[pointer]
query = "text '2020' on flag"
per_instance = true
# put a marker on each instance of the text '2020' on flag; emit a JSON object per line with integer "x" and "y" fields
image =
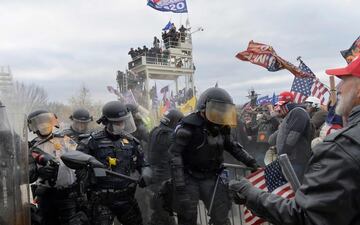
{"x": 270, "y": 179}
{"x": 175, "y": 6}
{"x": 265, "y": 56}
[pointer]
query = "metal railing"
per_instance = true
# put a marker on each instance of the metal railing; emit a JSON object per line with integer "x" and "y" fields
{"x": 171, "y": 42}
{"x": 236, "y": 214}
{"x": 162, "y": 60}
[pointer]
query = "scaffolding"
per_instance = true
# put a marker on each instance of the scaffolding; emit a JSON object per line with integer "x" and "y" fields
{"x": 173, "y": 60}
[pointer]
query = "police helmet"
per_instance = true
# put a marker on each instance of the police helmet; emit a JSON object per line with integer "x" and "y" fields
{"x": 114, "y": 113}
{"x": 218, "y": 106}
{"x": 42, "y": 122}
{"x": 81, "y": 115}
{"x": 172, "y": 118}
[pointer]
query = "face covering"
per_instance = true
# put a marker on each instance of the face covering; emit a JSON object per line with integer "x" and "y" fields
{"x": 116, "y": 129}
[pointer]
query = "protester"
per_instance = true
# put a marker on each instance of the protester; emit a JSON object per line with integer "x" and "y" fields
{"x": 294, "y": 137}
{"x": 317, "y": 114}
{"x": 330, "y": 190}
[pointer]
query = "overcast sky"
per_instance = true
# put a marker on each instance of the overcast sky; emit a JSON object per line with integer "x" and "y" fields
{"x": 61, "y": 45}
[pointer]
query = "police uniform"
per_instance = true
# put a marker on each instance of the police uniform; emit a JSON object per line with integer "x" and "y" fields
{"x": 160, "y": 141}
{"x": 57, "y": 203}
{"x": 74, "y": 135}
{"x": 197, "y": 155}
{"x": 121, "y": 154}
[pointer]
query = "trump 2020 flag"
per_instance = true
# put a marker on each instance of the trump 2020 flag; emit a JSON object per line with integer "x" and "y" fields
{"x": 175, "y": 6}
{"x": 265, "y": 56}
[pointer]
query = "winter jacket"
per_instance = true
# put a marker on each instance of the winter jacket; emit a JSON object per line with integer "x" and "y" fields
{"x": 294, "y": 139}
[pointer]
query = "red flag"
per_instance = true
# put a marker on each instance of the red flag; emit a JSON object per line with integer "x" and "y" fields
{"x": 265, "y": 56}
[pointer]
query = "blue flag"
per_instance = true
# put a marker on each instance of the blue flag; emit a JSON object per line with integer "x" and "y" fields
{"x": 175, "y": 6}
{"x": 263, "y": 100}
{"x": 168, "y": 26}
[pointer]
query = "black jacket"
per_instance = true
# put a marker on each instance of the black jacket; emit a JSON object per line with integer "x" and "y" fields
{"x": 198, "y": 150}
{"x": 330, "y": 190}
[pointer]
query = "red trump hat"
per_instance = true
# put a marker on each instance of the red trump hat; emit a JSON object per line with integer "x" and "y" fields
{"x": 352, "y": 69}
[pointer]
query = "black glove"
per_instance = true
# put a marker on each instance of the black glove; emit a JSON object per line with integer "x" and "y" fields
{"x": 47, "y": 172}
{"x": 239, "y": 199}
{"x": 254, "y": 167}
{"x": 238, "y": 189}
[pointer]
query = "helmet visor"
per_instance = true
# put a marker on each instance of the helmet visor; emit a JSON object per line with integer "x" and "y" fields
{"x": 221, "y": 113}
{"x": 124, "y": 124}
{"x": 43, "y": 122}
{"x": 80, "y": 126}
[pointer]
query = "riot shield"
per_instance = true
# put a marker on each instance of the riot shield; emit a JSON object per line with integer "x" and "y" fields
{"x": 14, "y": 185}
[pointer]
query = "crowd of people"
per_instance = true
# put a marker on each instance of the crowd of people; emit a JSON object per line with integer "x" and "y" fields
{"x": 180, "y": 161}
{"x": 172, "y": 37}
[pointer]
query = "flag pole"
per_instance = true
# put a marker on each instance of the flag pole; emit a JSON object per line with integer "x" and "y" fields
{"x": 329, "y": 88}
{"x": 332, "y": 91}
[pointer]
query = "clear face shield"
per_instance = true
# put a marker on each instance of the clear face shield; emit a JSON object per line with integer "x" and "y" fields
{"x": 44, "y": 123}
{"x": 80, "y": 126}
{"x": 221, "y": 113}
{"x": 123, "y": 125}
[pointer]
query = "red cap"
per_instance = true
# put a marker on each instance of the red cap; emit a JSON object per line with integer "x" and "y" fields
{"x": 352, "y": 69}
{"x": 285, "y": 97}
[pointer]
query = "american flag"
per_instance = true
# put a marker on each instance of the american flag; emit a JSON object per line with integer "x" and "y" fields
{"x": 270, "y": 179}
{"x": 305, "y": 87}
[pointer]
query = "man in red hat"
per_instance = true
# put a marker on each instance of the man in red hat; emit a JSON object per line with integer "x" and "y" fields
{"x": 294, "y": 134}
{"x": 330, "y": 190}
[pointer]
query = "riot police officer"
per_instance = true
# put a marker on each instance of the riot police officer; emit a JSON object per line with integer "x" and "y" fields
{"x": 197, "y": 157}
{"x": 55, "y": 189}
{"x": 120, "y": 152}
{"x": 160, "y": 141}
{"x": 80, "y": 124}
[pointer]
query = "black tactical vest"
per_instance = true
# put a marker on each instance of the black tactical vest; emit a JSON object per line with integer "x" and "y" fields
{"x": 119, "y": 155}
